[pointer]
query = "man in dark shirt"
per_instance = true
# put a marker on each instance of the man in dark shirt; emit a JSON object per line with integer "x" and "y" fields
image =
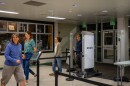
{"x": 79, "y": 50}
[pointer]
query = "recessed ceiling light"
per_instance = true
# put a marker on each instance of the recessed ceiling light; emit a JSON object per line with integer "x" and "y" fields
{"x": 53, "y": 17}
{"x": 104, "y": 11}
{"x": 79, "y": 15}
{"x": 10, "y": 12}
{"x": 75, "y": 5}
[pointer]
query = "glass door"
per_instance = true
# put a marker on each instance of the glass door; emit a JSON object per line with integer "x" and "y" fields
{"x": 109, "y": 51}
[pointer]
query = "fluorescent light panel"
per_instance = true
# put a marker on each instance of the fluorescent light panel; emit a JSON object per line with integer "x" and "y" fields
{"x": 52, "y": 17}
{"x": 104, "y": 11}
{"x": 10, "y": 12}
{"x": 79, "y": 15}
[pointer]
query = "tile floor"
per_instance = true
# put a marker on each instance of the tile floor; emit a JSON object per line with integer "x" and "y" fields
{"x": 46, "y": 80}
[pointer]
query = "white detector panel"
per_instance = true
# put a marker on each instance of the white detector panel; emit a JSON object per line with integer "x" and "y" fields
{"x": 88, "y": 51}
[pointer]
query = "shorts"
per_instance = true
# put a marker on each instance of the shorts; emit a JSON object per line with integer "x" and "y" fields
{"x": 8, "y": 71}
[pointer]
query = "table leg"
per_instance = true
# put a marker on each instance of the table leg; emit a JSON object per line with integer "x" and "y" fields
{"x": 118, "y": 75}
{"x": 121, "y": 67}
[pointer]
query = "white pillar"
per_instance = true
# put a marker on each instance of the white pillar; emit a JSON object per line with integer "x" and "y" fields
{"x": 122, "y": 39}
{"x": 71, "y": 50}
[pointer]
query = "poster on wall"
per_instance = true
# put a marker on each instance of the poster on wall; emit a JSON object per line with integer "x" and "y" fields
{"x": 11, "y": 27}
{"x": 88, "y": 50}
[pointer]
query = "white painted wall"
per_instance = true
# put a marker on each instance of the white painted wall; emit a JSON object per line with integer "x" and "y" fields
{"x": 65, "y": 30}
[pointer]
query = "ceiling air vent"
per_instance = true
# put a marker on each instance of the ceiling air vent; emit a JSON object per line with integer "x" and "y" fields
{"x": 34, "y": 3}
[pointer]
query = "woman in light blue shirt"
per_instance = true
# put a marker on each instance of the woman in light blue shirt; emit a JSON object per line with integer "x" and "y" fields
{"x": 29, "y": 48}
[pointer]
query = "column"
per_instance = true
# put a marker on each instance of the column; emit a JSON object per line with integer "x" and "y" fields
{"x": 122, "y": 39}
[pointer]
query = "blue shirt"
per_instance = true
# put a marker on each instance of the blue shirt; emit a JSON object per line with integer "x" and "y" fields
{"x": 12, "y": 53}
{"x": 29, "y": 46}
{"x": 79, "y": 47}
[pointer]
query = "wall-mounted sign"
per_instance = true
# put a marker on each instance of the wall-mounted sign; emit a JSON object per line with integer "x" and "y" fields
{"x": 11, "y": 27}
{"x": 113, "y": 21}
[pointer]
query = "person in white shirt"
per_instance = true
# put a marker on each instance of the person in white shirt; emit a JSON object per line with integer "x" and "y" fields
{"x": 58, "y": 53}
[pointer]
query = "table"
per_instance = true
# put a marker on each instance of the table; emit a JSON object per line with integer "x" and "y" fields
{"x": 120, "y": 67}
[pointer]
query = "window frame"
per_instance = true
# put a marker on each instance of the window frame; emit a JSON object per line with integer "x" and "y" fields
{"x": 36, "y": 33}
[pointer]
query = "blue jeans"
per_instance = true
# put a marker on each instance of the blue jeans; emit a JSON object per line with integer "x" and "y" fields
{"x": 26, "y": 64}
{"x": 30, "y": 71}
{"x": 57, "y": 61}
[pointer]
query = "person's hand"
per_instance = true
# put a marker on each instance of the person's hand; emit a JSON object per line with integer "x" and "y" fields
{"x": 35, "y": 49}
{"x": 23, "y": 56}
{"x": 18, "y": 61}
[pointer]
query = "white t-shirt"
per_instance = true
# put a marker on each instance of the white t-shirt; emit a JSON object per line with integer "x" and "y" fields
{"x": 55, "y": 48}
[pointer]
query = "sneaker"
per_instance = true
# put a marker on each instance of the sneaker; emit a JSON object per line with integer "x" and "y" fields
{"x": 26, "y": 84}
{"x": 35, "y": 75}
{"x": 51, "y": 74}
